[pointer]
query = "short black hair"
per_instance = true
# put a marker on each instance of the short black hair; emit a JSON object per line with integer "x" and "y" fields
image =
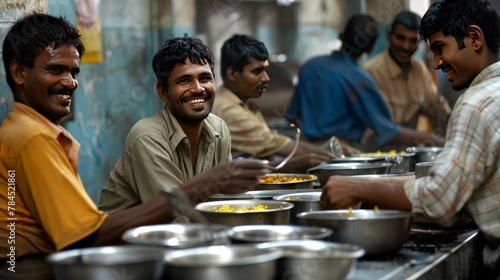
{"x": 237, "y": 51}
{"x": 30, "y": 35}
{"x": 176, "y": 50}
{"x": 360, "y": 33}
{"x": 408, "y": 19}
{"x": 453, "y": 17}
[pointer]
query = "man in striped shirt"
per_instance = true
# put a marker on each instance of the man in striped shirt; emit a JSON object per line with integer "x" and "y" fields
{"x": 465, "y": 179}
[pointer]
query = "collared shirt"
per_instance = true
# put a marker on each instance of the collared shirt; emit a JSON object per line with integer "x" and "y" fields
{"x": 250, "y": 133}
{"x": 408, "y": 96}
{"x": 466, "y": 174}
{"x": 42, "y": 196}
{"x": 335, "y": 97}
{"x": 157, "y": 155}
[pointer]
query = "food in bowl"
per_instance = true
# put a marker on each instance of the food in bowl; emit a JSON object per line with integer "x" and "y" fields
{"x": 277, "y": 178}
{"x": 228, "y": 208}
{"x": 391, "y": 153}
{"x": 276, "y": 181}
{"x": 275, "y": 212}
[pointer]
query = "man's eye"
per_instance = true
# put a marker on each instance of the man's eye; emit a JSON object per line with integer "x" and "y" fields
{"x": 206, "y": 79}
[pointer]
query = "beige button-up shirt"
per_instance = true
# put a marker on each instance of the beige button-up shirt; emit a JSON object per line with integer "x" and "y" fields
{"x": 250, "y": 133}
{"x": 157, "y": 154}
{"x": 406, "y": 96}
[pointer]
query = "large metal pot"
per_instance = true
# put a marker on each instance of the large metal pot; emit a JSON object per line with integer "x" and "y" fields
{"x": 139, "y": 262}
{"x": 325, "y": 169}
{"x": 276, "y": 212}
{"x": 302, "y": 202}
{"x": 400, "y": 163}
{"x": 315, "y": 259}
{"x": 377, "y": 231}
{"x": 424, "y": 154}
{"x": 242, "y": 262}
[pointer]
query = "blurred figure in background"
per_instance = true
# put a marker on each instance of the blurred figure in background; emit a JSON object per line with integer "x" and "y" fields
{"x": 244, "y": 61}
{"x": 404, "y": 80}
{"x": 335, "y": 97}
{"x": 465, "y": 178}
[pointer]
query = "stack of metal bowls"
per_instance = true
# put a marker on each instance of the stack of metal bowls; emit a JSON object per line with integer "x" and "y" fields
{"x": 269, "y": 233}
{"x": 326, "y": 169}
{"x": 178, "y": 236}
{"x": 424, "y": 154}
{"x": 269, "y": 194}
{"x": 109, "y": 262}
{"x": 302, "y": 202}
{"x": 241, "y": 261}
{"x": 272, "y": 212}
{"x": 315, "y": 259}
{"x": 376, "y": 231}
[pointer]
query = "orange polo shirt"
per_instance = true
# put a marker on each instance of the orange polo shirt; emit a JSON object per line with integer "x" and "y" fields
{"x": 43, "y": 204}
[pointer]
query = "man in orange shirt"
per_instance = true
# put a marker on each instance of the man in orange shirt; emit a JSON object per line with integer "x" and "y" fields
{"x": 44, "y": 207}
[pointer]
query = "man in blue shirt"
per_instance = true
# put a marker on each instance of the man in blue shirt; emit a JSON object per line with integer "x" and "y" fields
{"x": 335, "y": 97}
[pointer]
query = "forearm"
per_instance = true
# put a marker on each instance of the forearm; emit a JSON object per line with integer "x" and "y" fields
{"x": 412, "y": 137}
{"x": 153, "y": 212}
{"x": 385, "y": 195}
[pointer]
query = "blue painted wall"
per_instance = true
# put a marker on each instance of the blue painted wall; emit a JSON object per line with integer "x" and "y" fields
{"x": 113, "y": 95}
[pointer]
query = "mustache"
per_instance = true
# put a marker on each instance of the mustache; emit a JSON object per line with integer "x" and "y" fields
{"x": 60, "y": 90}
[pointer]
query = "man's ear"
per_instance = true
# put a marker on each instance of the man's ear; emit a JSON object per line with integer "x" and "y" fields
{"x": 231, "y": 73}
{"x": 18, "y": 72}
{"x": 162, "y": 92}
{"x": 475, "y": 33}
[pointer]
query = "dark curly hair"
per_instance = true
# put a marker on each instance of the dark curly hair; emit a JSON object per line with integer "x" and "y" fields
{"x": 29, "y": 36}
{"x": 453, "y": 17}
{"x": 360, "y": 34}
{"x": 176, "y": 50}
{"x": 237, "y": 51}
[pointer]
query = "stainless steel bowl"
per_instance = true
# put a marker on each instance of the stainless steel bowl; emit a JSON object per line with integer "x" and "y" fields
{"x": 378, "y": 232}
{"x": 178, "y": 236}
{"x": 276, "y": 213}
{"x": 424, "y": 154}
{"x": 138, "y": 262}
{"x": 325, "y": 169}
{"x": 267, "y": 233}
{"x": 302, "y": 202}
{"x": 306, "y": 182}
{"x": 221, "y": 196}
{"x": 242, "y": 262}
{"x": 315, "y": 260}
{"x": 269, "y": 194}
{"x": 422, "y": 168}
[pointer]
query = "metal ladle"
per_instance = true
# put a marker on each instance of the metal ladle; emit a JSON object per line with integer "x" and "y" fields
{"x": 297, "y": 138}
{"x": 182, "y": 207}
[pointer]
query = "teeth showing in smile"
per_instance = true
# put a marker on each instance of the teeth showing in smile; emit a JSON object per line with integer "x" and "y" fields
{"x": 196, "y": 101}
{"x": 64, "y": 96}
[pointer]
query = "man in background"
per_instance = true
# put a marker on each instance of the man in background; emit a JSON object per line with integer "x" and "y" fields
{"x": 335, "y": 97}
{"x": 244, "y": 61}
{"x": 404, "y": 80}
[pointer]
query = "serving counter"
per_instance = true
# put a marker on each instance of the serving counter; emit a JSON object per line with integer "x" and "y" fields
{"x": 428, "y": 255}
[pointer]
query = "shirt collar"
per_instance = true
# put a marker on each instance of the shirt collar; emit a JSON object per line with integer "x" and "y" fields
{"x": 392, "y": 66}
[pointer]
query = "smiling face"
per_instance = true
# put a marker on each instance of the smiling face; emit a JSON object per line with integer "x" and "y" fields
{"x": 460, "y": 65}
{"x": 403, "y": 43}
{"x": 49, "y": 86}
{"x": 191, "y": 92}
{"x": 253, "y": 81}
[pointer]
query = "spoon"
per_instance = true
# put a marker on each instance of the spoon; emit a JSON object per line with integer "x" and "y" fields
{"x": 297, "y": 138}
{"x": 182, "y": 207}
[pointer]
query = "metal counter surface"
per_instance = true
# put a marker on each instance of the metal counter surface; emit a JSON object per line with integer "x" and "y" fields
{"x": 451, "y": 256}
